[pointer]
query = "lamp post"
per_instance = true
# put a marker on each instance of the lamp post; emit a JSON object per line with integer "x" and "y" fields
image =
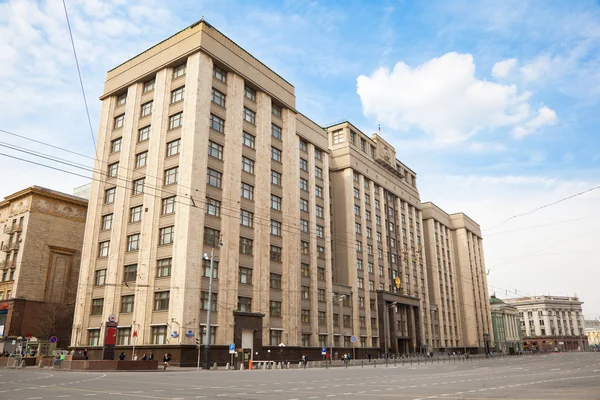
{"x": 339, "y": 299}
{"x": 385, "y": 323}
{"x": 210, "y": 282}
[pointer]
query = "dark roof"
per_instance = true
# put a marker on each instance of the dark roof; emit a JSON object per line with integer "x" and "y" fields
{"x": 495, "y": 300}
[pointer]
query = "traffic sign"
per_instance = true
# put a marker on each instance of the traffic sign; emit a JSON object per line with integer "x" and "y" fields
{"x": 53, "y": 339}
{"x": 353, "y": 339}
{"x": 231, "y": 348}
{"x": 323, "y": 351}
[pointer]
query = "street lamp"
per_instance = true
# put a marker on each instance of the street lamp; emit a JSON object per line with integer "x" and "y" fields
{"x": 208, "y": 313}
{"x": 385, "y": 322}
{"x": 339, "y": 299}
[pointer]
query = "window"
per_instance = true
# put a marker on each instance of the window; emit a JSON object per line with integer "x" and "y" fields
{"x": 177, "y": 94}
{"x": 371, "y": 285}
{"x": 204, "y": 301}
{"x": 171, "y": 176}
{"x": 248, "y": 140}
{"x": 361, "y": 283}
{"x": 173, "y": 147}
{"x": 93, "y": 337}
{"x": 166, "y": 235}
{"x": 305, "y": 293}
{"x": 211, "y": 237}
{"x": 358, "y": 245}
{"x": 146, "y": 109}
{"x": 303, "y": 184}
{"x": 250, "y": 93}
{"x": 215, "y": 150}
{"x": 100, "y": 277}
{"x": 159, "y": 335}
{"x": 97, "y": 306}
{"x": 305, "y": 316}
{"x": 275, "y": 178}
{"x": 319, "y": 191}
{"x": 163, "y": 267}
{"x": 361, "y": 302}
{"x": 303, "y": 165}
{"x": 118, "y": 123}
{"x": 213, "y": 178}
{"x": 107, "y": 222}
{"x": 319, "y": 211}
{"x": 246, "y": 246}
{"x": 138, "y": 186}
{"x": 359, "y": 265}
{"x": 320, "y": 231}
{"x": 144, "y": 134}
{"x": 321, "y": 273}
{"x": 275, "y": 253}
{"x": 113, "y": 169}
{"x": 320, "y": 252}
{"x": 219, "y": 74}
{"x": 248, "y": 165}
{"x": 318, "y": 173}
{"x": 304, "y": 247}
{"x": 370, "y": 266}
{"x": 372, "y": 151}
{"x": 148, "y": 86}
{"x": 347, "y": 324}
{"x": 103, "y": 249}
{"x": 318, "y": 154}
{"x": 133, "y": 242}
{"x": 217, "y": 124}
{"x": 369, "y": 231}
{"x": 275, "y": 281}
{"x": 275, "y": 228}
{"x": 206, "y": 269}
{"x": 249, "y": 116}
{"x": 303, "y": 145}
{"x": 161, "y": 301}
{"x": 127, "y": 303}
{"x": 275, "y": 309}
{"x": 121, "y": 99}
{"x": 115, "y": 145}
{"x": 245, "y": 276}
{"x": 355, "y": 177}
{"x": 276, "y": 110}
{"x": 352, "y": 137}
{"x": 176, "y": 120}
{"x": 141, "y": 159}
{"x": 135, "y": 214}
{"x": 275, "y": 337}
{"x": 244, "y": 304}
{"x": 304, "y": 205}
{"x": 168, "y": 205}
{"x": 179, "y": 71}
{"x": 304, "y": 226}
{"x": 276, "y": 202}
{"x": 123, "y": 335}
{"x": 357, "y": 227}
{"x": 357, "y": 210}
{"x": 213, "y": 207}
{"x": 275, "y": 154}
{"x": 247, "y": 191}
{"x": 246, "y": 218}
{"x": 338, "y": 136}
{"x": 305, "y": 270}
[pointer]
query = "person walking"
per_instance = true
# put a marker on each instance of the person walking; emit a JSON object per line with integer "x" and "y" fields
{"x": 151, "y": 356}
{"x": 166, "y": 360}
{"x": 122, "y": 356}
{"x": 85, "y": 354}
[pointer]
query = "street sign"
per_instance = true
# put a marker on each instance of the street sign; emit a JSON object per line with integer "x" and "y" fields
{"x": 231, "y": 348}
{"x": 353, "y": 339}
{"x": 323, "y": 351}
{"x": 53, "y": 339}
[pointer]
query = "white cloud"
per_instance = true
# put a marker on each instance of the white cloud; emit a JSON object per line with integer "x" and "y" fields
{"x": 538, "y": 67}
{"x": 502, "y": 68}
{"x": 545, "y": 116}
{"x": 442, "y": 97}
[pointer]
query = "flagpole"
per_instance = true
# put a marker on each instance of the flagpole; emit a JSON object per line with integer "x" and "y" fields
{"x": 134, "y": 340}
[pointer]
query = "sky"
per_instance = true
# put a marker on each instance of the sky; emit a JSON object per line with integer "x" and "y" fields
{"x": 495, "y": 105}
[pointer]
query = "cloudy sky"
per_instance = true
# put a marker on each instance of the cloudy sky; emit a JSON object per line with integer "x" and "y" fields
{"x": 495, "y": 105}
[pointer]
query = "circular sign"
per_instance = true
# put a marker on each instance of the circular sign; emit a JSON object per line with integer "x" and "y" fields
{"x": 53, "y": 339}
{"x": 112, "y": 318}
{"x": 353, "y": 339}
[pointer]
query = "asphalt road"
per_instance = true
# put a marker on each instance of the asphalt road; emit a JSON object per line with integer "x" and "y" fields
{"x": 543, "y": 377}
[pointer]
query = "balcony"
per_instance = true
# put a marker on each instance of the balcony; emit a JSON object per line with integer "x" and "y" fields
{"x": 13, "y": 228}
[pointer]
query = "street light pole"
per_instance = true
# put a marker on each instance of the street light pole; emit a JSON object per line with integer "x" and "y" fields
{"x": 339, "y": 300}
{"x": 210, "y": 282}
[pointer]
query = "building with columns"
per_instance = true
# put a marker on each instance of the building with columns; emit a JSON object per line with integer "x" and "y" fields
{"x": 551, "y": 322}
{"x": 506, "y": 327}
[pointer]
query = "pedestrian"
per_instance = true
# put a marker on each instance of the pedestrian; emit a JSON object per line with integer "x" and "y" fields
{"x": 122, "y": 356}
{"x": 304, "y": 360}
{"x": 336, "y": 355}
{"x": 166, "y": 360}
{"x": 144, "y": 357}
{"x": 57, "y": 360}
{"x": 151, "y": 356}
{"x": 369, "y": 357}
{"x": 135, "y": 358}
{"x": 85, "y": 354}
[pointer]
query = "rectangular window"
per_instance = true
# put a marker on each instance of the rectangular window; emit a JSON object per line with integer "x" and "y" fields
{"x": 250, "y": 93}
{"x": 245, "y": 276}
{"x": 304, "y": 247}
{"x": 107, "y": 222}
{"x": 168, "y": 205}
{"x": 338, "y": 136}
{"x": 318, "y": 154}
{"x": 217, "y": 124}
{"x": 97, "y": 306}
{"x": 173, "y": 147}
{"x": 275, "y": 154}
{"x": 176, "y": 120}
{"x": 103, "y": 249}
{"x": 138, "y": 186}
{"x": 100, "y": 277}
{"x": 204, "y": 302}
{"x": 275, "y": 253}
{"x": 275, "y": 308}
{"x": 357, "y": 210}
{"x": 171, "y": 176}
{"x": 275, "y": 228}
{"x": 213, "y": 178}
{"x": 275, "y": 281}
{"x": 211, "y": 237}
{"x": 219, "y": 74}
{"x": 166, "y": 235}
{"x": 359, "y": 265}
{"x": 218, "y": 97}
{"x": 144, "y": 134}
{"x": 303, "y": 165}
{"x": 320, "y": 252}
{"x": 276, "y": 131}
{"x": 141, "y": 159}
{"x": 133, "y": 242}
{"x": 93, "y": 337}
{"x": 318, "y": 173}
{"x": 113, "y": 170}
{"x": 179, "y": 71}
{"x": 275, "y": 178}
{"x": 305, "y": 292}
{"x": 303, "y": 184}
{"x": 246, "y": 218}
{"x": 320, "y": 231}
{"x": 246, "y": 246}
{"x": 247, "y": 191}
{"x": 215, "y": 150}
{"x": 304, "y": 205}
{"x": 372, "y": 151}
{"x": 127, "y": 303}
{"x": 213, "y": 207}
{"x": 123, "y": 336}
{"x": 305, "y": 270}
{"x": 163, "y": 267}
{"x": 303, "y": 145}
{"x": 161, "y": 301}
{"x": 276, "y": 110}
{"x": 177, "y": 95}
{"x": 276, "y": 202}
{"x": 206, "y": 269}
{"x": 319, "y": 191}
{"x": 248, "y": 140}
{"x": 321, "y": 273}
{"x": 159, "y": 335}
{"x": 135, "y": 214}
{"x": 304, "y": 226}
{"x": 121, "y": 99}
{"x": 305, "y": 316}
{"x": 275, "y": 337}
{"x": 148, "y": 86}
{"x": 115, "y": 145}
{"x": 146, "y": 109}
{"x": 248, "y": 165}
{"x": 319, "y": 211}
{"x": 118, "y": 122}
{"x": 244, "y": 304}
{"x": 249, "y": 116}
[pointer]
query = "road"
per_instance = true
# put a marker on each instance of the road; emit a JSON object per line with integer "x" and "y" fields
{"x": 552, "y": 376}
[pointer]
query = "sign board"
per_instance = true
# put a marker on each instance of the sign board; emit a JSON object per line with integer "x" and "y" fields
{"x": 323, "y": 351}
{"x": 353, "y": 339}
{"x": 231, "y": 348}
{"x": 53, "y": 339}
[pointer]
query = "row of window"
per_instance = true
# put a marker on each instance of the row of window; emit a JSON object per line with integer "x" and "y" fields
{"x": 166, "y": 236}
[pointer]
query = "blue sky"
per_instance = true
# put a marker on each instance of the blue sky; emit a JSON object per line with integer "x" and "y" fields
{"x": 494, "y": 104}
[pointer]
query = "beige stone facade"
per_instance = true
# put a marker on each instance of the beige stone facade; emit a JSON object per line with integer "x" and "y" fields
{"x": 42, "y": 236}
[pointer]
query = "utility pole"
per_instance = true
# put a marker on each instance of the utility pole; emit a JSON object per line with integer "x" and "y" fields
{"x": 210, "y": 282}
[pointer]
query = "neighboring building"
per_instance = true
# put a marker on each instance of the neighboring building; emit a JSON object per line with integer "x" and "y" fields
{"x": 506, "y": 325}
{"x": 551, "y": 322}
{"x": 42, "y": 236}
{"x": 83, "y": 191}
{"x": 592, "y": 331}
{"x": 457, "y": 281}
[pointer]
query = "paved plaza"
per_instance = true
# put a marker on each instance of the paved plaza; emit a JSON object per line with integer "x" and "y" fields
{"x": 550, "y": 376}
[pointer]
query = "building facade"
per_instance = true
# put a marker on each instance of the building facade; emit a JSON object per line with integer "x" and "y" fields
{"x": 42, "y": 236}
{"x": 592, "y": 331}
{"x": 551, "y": 323}
{"x": 457, "y": 281}
{"x": 506, "y": 327}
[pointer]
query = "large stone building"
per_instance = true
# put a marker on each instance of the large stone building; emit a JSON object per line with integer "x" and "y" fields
{"x": 551, "y": 322}
{"x": 271, "y": 196}
{"x": 592, "y": 331}
{"x": 507, "y": 327}
{"x": 42, "y": 236}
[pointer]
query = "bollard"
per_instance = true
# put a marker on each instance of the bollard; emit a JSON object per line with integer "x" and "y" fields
{"x": 300, "y": 364}
{"x": 227, "y": 367}
{"x": 288, "y": 365}
{"x": 362, "y": 364}
{"x": 241, "y": 366}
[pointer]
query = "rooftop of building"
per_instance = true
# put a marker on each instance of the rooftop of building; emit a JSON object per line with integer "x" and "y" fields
{"x": 542, "y": 298}
{"x": 495, "y": 300}
{"x": 39, "y": 190}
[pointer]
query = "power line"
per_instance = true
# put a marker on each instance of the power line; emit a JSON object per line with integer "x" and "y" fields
{"x": 79, "y": 74}
{"x": 542, "y": 226}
